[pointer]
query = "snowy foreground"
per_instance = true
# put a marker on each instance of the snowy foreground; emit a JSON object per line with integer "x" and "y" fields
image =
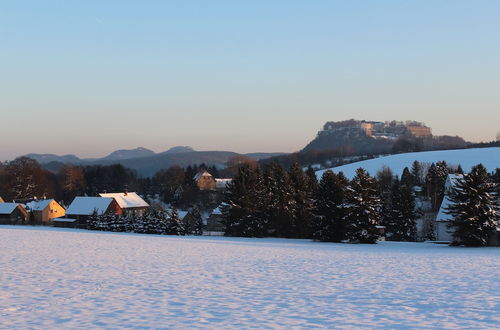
{"x": 78, "y": 279}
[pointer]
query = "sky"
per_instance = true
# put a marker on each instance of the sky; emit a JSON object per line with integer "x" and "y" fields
{"x": 89, "y": 77}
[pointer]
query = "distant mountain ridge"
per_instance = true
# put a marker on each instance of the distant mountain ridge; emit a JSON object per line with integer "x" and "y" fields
{"x": 178, "y": 150}
{"x": 48, "y": 158}
{"x": 146, "y": 162}
{"x": 129, "y": 153}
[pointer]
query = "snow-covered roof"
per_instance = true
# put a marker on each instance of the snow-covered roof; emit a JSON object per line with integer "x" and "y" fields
{"x": 182, "y": 214}
{"x": 450, "y": 183}
{"x": 8, "y": 208}
{"x": 38, "y": 205}
{"x": 127, "y": 200}
{"x": 87, "y": 205}
{"x": 201, "y": 174}
{"x": 218, "y": 210}
{"x": 63, "y": 220}
{"x": 222, "y": 183}
{"x": 442, "y": 215}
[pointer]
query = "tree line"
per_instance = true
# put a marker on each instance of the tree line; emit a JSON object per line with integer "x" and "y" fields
{"x": 153, "y": 221}
{"x": 274, "y": 201}
{"x": 24, "y": 179}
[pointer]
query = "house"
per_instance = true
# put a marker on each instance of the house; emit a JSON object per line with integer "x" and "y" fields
{"x": 215, "y": 226}
{"x": 443, "y": 232}
{"x": 83, "y": 207}
{"x": 222, "y": 184}
{"x": 13, "y": 213}
{"x": 205, "y": 181}
{"x": 43, "y": 211}
{"x": 128, "y": 201}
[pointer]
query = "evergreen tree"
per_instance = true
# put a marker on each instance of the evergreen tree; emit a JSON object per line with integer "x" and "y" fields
{"x": 150, "y": 222}
{"x": 329, "y": 208}
{"x": 313, "y": 179}
{"x": 385, "y": 179}
{"x": 435, "y": 179}
{"x": 131, "y": 220}
{"x": 416, "y": 172}
{"x": 363, "y": 209}
{"x": 302, "y": 188}
{"x": 174, "y": 225}
{"x": 474, "y": 208}
{"x": 163, "y": 222}
{"x": 407, "y": 178}
{"x": 402, "y": 225}
{"x": 194, "y": 225}
{"x": 495, "y": 177}
{"x": 92, "y": 221}
{"x": 278, "y": 201}
{"x": 243, "y": 204}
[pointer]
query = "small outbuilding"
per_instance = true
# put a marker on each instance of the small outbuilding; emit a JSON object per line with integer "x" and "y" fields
{"x": 13, "y": 214}
{"x": 215, "y": 226}
{"x": 222, "y": 184}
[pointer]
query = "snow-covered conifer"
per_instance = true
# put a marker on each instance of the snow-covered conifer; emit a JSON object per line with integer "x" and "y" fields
{"x": 474, "y": 208}
{"x": 242, "y": 210}
{"x": 329, "y": 208}
{"x": 363, "y": 209}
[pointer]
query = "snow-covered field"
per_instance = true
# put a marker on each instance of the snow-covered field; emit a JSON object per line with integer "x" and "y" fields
{"x": 467, "y": 158}
{"x": 53, "y": 278}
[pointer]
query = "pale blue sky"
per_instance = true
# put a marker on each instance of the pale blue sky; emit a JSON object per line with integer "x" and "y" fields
{"x": 88, "y": 77}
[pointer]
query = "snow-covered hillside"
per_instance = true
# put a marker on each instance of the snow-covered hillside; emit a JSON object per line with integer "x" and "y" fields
{"x": 54, "y": 278}
{"x": 489, "y": 157}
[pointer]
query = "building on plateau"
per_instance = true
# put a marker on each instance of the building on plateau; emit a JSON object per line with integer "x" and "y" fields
{"x": 419, "y": 131}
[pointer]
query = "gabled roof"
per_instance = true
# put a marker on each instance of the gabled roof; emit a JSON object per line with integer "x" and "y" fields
{"x": 8, "y": 208}
{"x": 450, "y": 183}
{"x": 201, "y": 174}
{"x": 452, "y": 180}
{"x": 218, "y": 210}
{"x": 39, "y": 205}
{"x": 127, "y": 200}
{"x": 87, "y": 205}
{"x": 182, "y": 214}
